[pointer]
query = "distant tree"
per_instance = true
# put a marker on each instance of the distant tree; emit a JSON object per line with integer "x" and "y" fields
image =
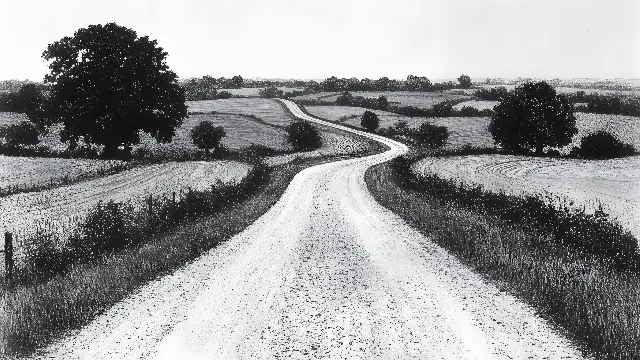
{"x": 604, "y": 145}
{"x": 224, "y": 95}
{"x": 443, "y": 109}
{"x": 270, "y": 92}
{"x": 532, "y": 117}
{"x": 431, "y": 136}
{"x": 369, "y": 121}
{"x": 303, "y": 136}
{"x": 344, "y": 99}
{"x": 108, "y": 84}
{"x": 22, "y": 133}
{"x": 206, "y": 136}
{"x": 383, "y": 104}
{"x": 237, "y": 82}
{"x": 464, "y": 81}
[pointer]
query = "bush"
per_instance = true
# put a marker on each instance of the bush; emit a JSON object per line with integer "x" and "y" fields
{"x": 303, "y": 136}
{"x": 224, "y": 95}
{"x": 270, "y": 92}
{"x": 369, "y": 121}
{"x": 603, "y": 145}
{"x": 533, "y": 117}
{"x": 431, "y": 136}
{"x": 206, "y": 136}
{"x": 44, "y": 255}
{"x": 23, "y": 133}
{"x": 107, "y": 228}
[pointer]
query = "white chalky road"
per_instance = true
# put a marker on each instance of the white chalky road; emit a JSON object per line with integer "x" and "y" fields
{"x": 326, "y": 273}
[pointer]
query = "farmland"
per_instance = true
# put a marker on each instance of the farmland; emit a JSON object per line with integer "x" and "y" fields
{"x": 254, "y": 92}
{"x": 615, "y": 183}
{"x": 59, "y": 209}
{"x": 477, "y": 104}
{"x": 405, "y": 98}
{"x": 24, "y": 173}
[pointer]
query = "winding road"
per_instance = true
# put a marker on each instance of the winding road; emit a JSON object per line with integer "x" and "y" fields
{"x": 326, "y": 273}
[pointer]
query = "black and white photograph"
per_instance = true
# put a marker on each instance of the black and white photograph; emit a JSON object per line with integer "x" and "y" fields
{"x": 324, "y": 179}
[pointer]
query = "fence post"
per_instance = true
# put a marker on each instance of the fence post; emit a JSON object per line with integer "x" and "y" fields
{"x": 174, "y": 197}
{"x": 8, "y": 256}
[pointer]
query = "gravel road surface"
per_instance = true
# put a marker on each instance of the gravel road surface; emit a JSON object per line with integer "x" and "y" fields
{"x": 326, "y": 273}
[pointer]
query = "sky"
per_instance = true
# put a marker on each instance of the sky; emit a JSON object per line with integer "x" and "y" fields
{"x": 439, "y": 39}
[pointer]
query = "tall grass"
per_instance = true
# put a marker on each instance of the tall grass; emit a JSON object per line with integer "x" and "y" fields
{"x": 580, "y": 285}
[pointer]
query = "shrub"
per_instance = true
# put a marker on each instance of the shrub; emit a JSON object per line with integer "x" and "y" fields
{"x": 369, "y": 121}
{"x": 44, "y": 255}
{"x": 442, "y": 109}
{"x": 383, "y": 104}
{"x": 603, "y": 145}
{"x": 206, "y": 136}
{"x": 303, "y": 136}
{"x": 224, "y": 95}
{"x": 270, "y": 92}
{"x": 431, "y": 136}
{"x": 531, "y": 118}
{"x": 23, "y": 133}
{"x": 107, "y": 228}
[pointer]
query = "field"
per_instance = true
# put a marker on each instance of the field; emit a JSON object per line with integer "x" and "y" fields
{"x": 253, "y": 92}
{"x": 478, "y": 104}
{"x": 22, "y": 172}
{"x": 58, "y": 209}
{"x": 268, "y": 110}
{"x": 404, "y": 98}
{"x": 572, "y": 90}
{"x": 615, "y": 183}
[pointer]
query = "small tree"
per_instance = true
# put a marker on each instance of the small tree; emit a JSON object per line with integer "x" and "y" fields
{"x": 464, "y": 81}
{"x": 383, "y": 104}
{"x": 270, "y": 92}
{"x": 345, "y": 99}
{"x": 604, "y": 145}
{"x": 369, "y": 121}
{"x": 224, "y": 95}
{"x": 303, "y": 136}
{"x": 206, "y": 136}
{"x": 532, "y": 117}
{"x": 21, "y": 134}
{"x": 432, "y": 136}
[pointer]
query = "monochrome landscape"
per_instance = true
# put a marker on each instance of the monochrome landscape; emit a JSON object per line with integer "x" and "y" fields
{"x": 297, "y": 192}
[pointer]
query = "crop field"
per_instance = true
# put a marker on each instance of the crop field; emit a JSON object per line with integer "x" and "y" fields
{"x": 240, "y": 132}
{"x": 571, "y": 90}
{"x": 23, "y": 172}
{"x": 404, "y": 98}
{"x": 615, "y": 183}
{"x": 478, "y": 104}
{"x": 268, "y": 110}
{"x": 626, "y": 128}
{"x": 58, "y": 209}
{"x": 250, "y": 92}
{"x": 348, "y": 113}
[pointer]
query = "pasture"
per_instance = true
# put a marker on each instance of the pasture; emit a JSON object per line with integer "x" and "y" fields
{"x": 254, "y": 92}
{"x": 614, "y": 183}
{"x": 59, "y": 210}
{"x": 268, "y": 110}
{"x": 477, "y": 104}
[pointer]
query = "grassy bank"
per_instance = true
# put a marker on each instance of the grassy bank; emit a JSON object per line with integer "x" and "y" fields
{"x": 596, "y": 303}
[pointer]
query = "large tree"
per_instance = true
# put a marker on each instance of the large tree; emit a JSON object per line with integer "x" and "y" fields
{"x": 108, "y": 84}
{"x": 531, "y": 117}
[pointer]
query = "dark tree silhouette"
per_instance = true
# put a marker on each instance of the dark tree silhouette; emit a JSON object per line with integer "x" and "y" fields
{"x": 369, "y": 121}
{"x": 22, "y": 133}
{"x": 464, "y": 81}
{"x": 303, "y": 136}
{"x": 108, "y": 84}
{"x": 206, "y": 136}
{"x": 431, "y": 136}
{"x": 270, "y": 92}
{"x": 604, "y": 145}
{"x": 532, "y": 117}
{"x": 383, "y": 104}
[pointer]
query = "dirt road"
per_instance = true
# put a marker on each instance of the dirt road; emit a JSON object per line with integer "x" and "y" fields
{"x": 326, "y": 273}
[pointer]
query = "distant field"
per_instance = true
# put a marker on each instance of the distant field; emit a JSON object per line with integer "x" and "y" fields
{"x": 268, "y": 110}
{"x": 478, "y": 104}
{"x": 241, "y": 132}
{"x": 626, "y": 128}
{"x": 571, "y": 90}
{"x": 406, "y": 98}
{"x": 613, "y": 183}
{"x": 58, "y": 209}
{"x": 23, "y": 172}
{"x": 255, "y": 91}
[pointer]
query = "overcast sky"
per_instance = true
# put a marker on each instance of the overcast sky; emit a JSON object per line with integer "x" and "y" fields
{"x": 317, "y": 39}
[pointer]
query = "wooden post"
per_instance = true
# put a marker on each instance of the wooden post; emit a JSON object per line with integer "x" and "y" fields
{"x": 174, "y": 197}
{"x": 8, "y": 256}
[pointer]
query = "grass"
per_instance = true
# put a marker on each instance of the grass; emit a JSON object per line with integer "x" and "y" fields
{"x": 595, "y": 303}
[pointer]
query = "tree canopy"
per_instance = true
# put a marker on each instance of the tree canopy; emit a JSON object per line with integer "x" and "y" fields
{"x": 369, "y": 121}
{"x": 464, "y": 81}
{"x": 108, "y": 84}
{"x": 531, "y": 117}
{"x": 206, "y": 136}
